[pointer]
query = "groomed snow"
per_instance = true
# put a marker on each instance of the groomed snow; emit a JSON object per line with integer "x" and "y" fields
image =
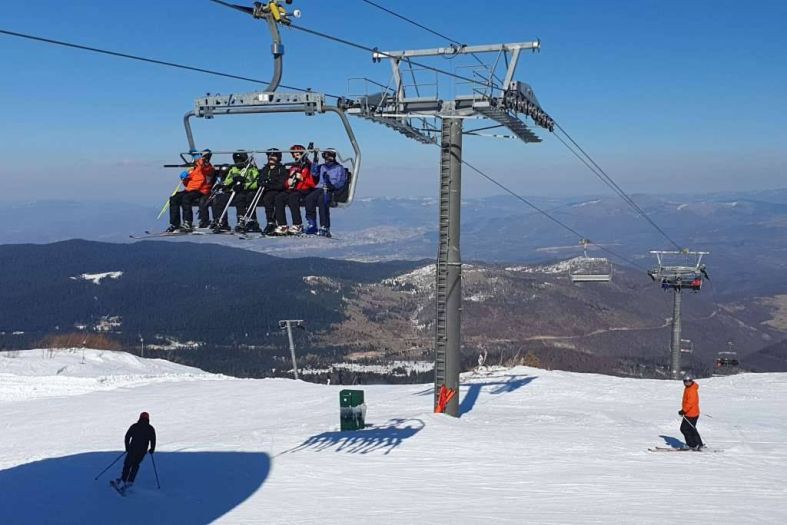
{"x": 30, "y": 374}
{"x": 532, "y": 446}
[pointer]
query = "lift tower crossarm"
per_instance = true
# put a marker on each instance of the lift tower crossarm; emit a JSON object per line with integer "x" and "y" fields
{"x": 457, "y": 50}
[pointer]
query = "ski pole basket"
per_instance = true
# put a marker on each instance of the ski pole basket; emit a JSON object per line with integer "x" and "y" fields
{"x": 352, "y": 410}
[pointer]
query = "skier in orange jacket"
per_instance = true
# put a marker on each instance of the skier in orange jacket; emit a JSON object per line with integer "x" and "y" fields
{"x": 690, "y": 412}
{"x": 197, "y": 183}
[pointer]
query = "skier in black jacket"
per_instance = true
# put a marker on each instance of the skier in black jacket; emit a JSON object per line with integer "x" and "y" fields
{"x": 138, "y": 437}
{"x": 273, "y": 178}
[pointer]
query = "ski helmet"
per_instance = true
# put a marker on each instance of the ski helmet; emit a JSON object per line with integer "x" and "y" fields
{"x": 240, "y": 157}
{"x": 330, "y": 152}
{"x": 145, "y": 416}
{"x": 688, "y": 378}
{"x": 274, "y": 152}
{"x": 206, "y": 154}
{"x": 297, "y": 147}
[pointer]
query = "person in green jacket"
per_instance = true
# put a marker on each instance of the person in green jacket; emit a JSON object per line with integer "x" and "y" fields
{"x": 238, "y": 189}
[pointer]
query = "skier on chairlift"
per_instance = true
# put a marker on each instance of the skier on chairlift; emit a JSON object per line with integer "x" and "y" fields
{"x": 273, "y": 177}
{"x": 197, "y": 183}
{"x": 298, "y": 185}
{"x": 333, "y": 183}
{"x": 240, "y": 184}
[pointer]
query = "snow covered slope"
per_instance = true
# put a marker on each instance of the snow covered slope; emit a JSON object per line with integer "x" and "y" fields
{"x": 28, "y": 374}
{"x": 532, "y": 446}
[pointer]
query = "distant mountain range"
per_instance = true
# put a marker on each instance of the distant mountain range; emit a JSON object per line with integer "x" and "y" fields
{"x": 219, "y": 308}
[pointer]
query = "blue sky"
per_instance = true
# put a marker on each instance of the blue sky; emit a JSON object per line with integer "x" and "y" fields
{"x": 665, "y": 95}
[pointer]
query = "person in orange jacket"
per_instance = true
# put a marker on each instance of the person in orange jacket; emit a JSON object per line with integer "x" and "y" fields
{"x": 690, "y": 412}
{"x": 197, "y": 183}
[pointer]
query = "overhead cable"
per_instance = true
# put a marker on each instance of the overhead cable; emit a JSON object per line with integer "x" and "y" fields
{"x": 548, "y": 215}
{"x": 383, "y": 53}
{"x": 593, "y": 166}
{"x": 144, "y": 59}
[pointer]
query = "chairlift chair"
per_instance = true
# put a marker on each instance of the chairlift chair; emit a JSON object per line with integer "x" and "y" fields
{"x": 272, "y": 101}
{"x": 584, "y": 269}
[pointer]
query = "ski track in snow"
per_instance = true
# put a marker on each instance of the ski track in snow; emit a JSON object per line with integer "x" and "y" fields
{"x": 532, "y": 446}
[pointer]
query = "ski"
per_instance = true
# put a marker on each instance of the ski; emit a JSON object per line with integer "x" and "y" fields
{"x": 682, "y": 449}
{"x": 119, "y": 490}
{"x": 150, "y": 235}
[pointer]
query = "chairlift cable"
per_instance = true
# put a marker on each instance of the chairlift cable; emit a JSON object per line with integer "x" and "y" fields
{"x": 425, "y": 28}
{"x": 145, "y": 59}
{"x": 604, "y": 177}
{"x": 382, "y": 53}
{"x": 548, "y": 216}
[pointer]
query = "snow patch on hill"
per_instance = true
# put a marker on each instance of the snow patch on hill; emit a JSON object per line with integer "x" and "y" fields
{"x": 96, "y": 278}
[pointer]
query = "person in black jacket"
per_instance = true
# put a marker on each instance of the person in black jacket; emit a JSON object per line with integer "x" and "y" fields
{"x": 273, "y": 178}
{"x": 139, "y": 436}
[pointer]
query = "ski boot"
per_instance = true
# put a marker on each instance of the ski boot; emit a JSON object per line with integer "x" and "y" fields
{"x": 295, "y": 229}
{"x": 253, "y": 226}
{"x": 269, "y": 229}
{"x": 281, "y": 230}
{"x": 172, "y": 229}
{"x": 311, "y": 227}
{"x": 324, "y": 232}
{"x": 187, "y": 227}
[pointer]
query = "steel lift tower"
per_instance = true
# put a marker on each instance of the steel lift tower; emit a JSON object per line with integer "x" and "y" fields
{"x": 505, "y": 102}
{"x": 677, "y": 278}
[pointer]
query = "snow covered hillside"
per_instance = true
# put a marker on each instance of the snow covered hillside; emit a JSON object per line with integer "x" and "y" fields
{"x": 532, "y": 446}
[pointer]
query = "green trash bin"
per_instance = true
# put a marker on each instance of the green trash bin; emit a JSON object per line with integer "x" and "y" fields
{"x": 352, "y": 410}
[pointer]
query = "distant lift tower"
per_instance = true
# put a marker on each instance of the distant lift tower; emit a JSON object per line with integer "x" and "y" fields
{"x": 505, "y": 102}
{"x": 287, "y": 324}
{"x": 677, "y": 277}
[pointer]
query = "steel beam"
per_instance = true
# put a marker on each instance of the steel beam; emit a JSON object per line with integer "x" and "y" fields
{"x": 449, "y": 266}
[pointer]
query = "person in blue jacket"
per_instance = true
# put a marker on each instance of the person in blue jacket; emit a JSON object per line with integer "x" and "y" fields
{"x": 332, "y": 178}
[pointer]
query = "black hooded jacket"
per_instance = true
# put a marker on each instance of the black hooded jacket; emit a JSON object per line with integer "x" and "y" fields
{"x": 139, "y": 435}
{"x": 273, "y": 177}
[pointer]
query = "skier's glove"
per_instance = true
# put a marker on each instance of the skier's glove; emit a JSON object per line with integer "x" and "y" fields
{"x": 184, "y": 175}
{"x": 681, "y": 412}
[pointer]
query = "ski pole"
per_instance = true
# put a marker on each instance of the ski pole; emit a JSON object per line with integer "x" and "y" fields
{"x": 155, "y": 471}
{"x": 166, "y": 204}
{"x": 689, "y": 422}
{"x": 110, "y": 466}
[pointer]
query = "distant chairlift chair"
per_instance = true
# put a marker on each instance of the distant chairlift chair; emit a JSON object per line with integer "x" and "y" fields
{"x": 586, "y": 269}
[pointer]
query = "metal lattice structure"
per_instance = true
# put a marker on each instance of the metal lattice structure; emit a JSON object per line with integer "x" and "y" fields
{"x": 508, "y": 104}
{"x": 678, "y": 277}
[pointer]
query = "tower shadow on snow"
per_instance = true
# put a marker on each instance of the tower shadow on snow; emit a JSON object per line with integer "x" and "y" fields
{"x": 508, "y": 383}
{"x": 376, "y": 438}
{"x": 196, "y": 488}
{"x": 673, "y": 441}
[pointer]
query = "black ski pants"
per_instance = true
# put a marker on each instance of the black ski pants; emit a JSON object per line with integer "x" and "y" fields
{"x": 217, "y": 207}
{"x": 183, "y": 200}
{"x": 131, "y": 465}
{"x": 269, "y": 202}
{"x": 688, "y": 428}
{"x": 204, "y": 209}
{"x": 293, "y": 201}
{"x": 319, "y": 199}
{"x": 242, "y": 201}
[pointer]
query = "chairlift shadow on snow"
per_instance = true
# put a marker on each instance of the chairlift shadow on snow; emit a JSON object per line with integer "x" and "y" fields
{"x": 673, "y": 441}
{"x": 196, "y": 488}
{"x": 373, "y": 439}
